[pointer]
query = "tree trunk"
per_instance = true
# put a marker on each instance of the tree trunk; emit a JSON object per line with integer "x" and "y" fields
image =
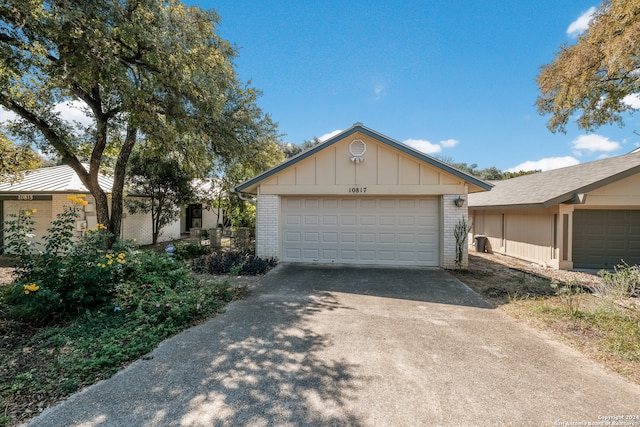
{"x": 117, "y": 191}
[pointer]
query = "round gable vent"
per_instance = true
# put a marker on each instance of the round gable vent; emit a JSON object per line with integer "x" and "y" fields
{"x": 357, "y": 149}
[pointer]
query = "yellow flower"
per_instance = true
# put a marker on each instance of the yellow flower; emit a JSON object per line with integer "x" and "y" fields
{"x": 77, "y": 199}
{"x": 27, "y": 213}
{"x": 34, "y": 210}
{"x": 110, "y": 262}
{"x": 30, "y": 288}
{"x": 108, "y": 256}
{"x": 121, "y": 255}
{"x": 134, "y": 240}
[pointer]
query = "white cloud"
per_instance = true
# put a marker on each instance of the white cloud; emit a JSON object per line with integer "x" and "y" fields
{"x": 448, "y": 143}
{"x": 423, "y": 145}
{"x": 545, "y": 164}
{"x": 329, "y": 135}
{"x": 582, "y": 23}
{"x": 6, "y": 115}
{"x": 632, "y": 100}
{"x": 593, "y": 143}
{"x": 72, "y": 111}
{"x": 429, "y": 147}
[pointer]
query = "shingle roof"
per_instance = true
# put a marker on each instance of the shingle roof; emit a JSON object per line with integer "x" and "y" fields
{"x": 359, "y": 127}
{"x": 51, "y": 180}
{"x": 544, "y": 189}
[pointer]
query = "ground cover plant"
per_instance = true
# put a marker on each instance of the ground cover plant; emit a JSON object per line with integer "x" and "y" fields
{"x": 78, "y": 311}
{"x": 599, "y": 316}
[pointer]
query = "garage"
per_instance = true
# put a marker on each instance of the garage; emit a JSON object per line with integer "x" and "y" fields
{"x": 603, "y": 238}
{"x": 382, "y": 231}
{"x": 362, "y": 198}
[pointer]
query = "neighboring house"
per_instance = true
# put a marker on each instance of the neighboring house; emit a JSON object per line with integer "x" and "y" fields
{"x": 361, "y": 198}
{"x": 583, "y": 216}
{"x": 45, "y": 190}
{"x": 202, "y": 215}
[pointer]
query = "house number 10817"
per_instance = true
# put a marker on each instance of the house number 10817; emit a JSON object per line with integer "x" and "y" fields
{"x": 357, "y": 189}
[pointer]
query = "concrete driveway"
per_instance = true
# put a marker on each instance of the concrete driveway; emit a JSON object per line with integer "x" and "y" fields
{"x": 356, "y": 346}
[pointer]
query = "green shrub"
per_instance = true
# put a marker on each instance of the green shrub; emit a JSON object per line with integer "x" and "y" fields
{"x": 71, "y": 275}
{"x": 234, "y": 263}
{"x": 623, "y": 282}
{"x": 190, "y": 250}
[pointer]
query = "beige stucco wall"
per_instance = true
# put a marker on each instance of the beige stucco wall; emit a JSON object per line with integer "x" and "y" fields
{"x": 384, "y": 171}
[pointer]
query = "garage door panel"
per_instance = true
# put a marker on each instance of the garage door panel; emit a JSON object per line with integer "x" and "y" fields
{"x": 348, "y": 220}
{"x": 348, "y": 203}
{"x": 405, "y": 238}
{"x": 387, "y": 238}
{"x": 311, "y": 237}
{"x": 330, "y": 237}
{"x": 312, "y": 203}
{"x": 330, "y": 203}
{"x": 387, "y": 220}
{"x": 348, "y": 255}
{"x": 330, "y": 219}
{"x": 329, "y": 253}
{"x": 367, "y": 238}
{"x": 404, "y": 220}
{"x": 387, "y": 204}
{"x": 368, "y": 204}
{"x": 368, "y": 255}
{"x": 603, "y": 238}
{"x": 400, "y": 231}
{"x": 311, "y": 219}
{"x": 293, "y": 237}
{"x": 387, "y": 255}
{"x": 310, "y": 254}
{"x": 293, "y": 254}
{"x": 367, "y": 220}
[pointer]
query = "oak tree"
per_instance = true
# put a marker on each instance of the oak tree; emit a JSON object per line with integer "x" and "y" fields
{"x": 138, "y": 69}
{"x": 594, "y": 78}
{"x": 16, "y": 159}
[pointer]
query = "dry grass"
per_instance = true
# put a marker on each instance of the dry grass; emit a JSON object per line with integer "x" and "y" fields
{"x": 604, "y": 329}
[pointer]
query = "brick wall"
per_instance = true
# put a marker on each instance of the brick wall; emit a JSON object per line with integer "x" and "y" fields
{"x": 451, "y": 215}
{"x": 268, "y": 226}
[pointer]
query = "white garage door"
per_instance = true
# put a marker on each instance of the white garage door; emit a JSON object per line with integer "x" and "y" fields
{"x": 387, "y": 231}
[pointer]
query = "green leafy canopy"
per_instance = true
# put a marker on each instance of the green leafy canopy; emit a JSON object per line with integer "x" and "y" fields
{"x": 139, "y": 68}
{"x": 592, "y": 78}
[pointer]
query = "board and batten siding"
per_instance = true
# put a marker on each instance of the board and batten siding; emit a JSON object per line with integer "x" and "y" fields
{"x": 529, "y": 235}
{"x": 385, "y": 171}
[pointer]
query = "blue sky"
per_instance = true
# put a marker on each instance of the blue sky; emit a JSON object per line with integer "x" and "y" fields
{"x": 454, "y": 78}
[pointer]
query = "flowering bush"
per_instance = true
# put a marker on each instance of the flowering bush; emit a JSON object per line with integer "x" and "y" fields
{"x": 71, "y": 274}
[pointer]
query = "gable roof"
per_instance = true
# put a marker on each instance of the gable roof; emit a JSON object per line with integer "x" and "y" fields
{"x": 545, "y": 189}
{"x": 359, "y": 127}
{"x": 54, "y": 179}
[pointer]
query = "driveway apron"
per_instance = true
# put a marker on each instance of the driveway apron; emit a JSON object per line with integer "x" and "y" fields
{"x": 358, "y": 346}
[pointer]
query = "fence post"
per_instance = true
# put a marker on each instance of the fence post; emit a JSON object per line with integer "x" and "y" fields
{"x": 215, "y": 237}
{"x": 243, "y": 238}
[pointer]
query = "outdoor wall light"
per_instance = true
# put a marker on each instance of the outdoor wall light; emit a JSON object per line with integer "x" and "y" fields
{"x": 459, "y": 201}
